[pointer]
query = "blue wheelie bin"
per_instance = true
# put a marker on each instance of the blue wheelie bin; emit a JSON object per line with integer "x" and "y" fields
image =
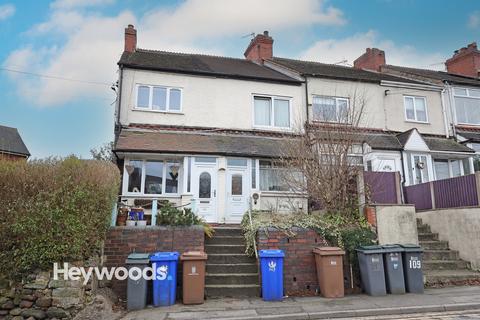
{"x": 165, "y": 281}
{"x": 271, "y": 267}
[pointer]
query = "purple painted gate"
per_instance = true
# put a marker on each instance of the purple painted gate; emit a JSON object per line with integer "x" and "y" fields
{"x": 381, "y": 186}
{"x": 419, "y": 195}
{"x": 456, "y": 192}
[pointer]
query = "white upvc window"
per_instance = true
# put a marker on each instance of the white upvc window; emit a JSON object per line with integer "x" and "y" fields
{"x": 330, "y": 109}
{"x": 158, "y": 98}
{"x": 449, "y": 168}
{"x": 152, "y": 177}
{"x": 271, "y": 111}
{"x": 467, "y": 105}
{"x": 415, "y": 109}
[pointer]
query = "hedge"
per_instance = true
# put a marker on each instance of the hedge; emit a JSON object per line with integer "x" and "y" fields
{"x": 53, "y": 210}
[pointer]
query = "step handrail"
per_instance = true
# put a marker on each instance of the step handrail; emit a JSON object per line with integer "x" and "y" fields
{"x": 251, "y": 225}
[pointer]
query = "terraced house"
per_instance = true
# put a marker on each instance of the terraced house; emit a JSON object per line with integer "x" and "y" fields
{"x": 206, "y": 130}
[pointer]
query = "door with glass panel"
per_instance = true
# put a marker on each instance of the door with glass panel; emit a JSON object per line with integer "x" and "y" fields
{"x": 204, "y": 187}
{"x": 420, "y": 168}
{"x": 237, "y": 190}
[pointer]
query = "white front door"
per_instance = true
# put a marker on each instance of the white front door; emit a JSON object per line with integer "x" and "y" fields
{"x": 237, "y": 194}
{"x": 386, "y": 165}
{"x": 204, "y": 186}
{"x": 420, "y": 168}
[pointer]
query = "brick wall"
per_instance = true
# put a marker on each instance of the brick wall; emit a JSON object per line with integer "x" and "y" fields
{"x": 121, "y": 241}
{"x": 300, "y": 277}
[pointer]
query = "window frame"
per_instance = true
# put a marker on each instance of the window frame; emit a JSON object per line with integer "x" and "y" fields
{"x": 415, "y": 109}
{"x": 336, "y": 98}
{"x": 150, "y": 98}
{"x": 468, "y": 96}
{"x": 142, "y": 193}
{"x": 450, "y": 167}
{"x": 272, "y": 111}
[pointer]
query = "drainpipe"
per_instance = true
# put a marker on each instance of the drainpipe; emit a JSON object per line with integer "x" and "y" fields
{"x": 452, "y": 107}
{"x": 445, "y": 120}
{"x": 306, "y": 98}
{"x": 403, "y": 177}
{"x": 117, "y": 123}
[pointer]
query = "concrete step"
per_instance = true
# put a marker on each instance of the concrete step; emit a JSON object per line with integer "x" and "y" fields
{"x": 423, "y": 228}
{"x": 231, "y": 278}
{"x": 224, "y": 248}
{"x": 232, "y": 268}
{"x": 225, "y": 240}
{"x": 429, "y": 236}
{"x": 229, "y": 258}
{"x": 419, "y": 221}
{"x": 214, "y": 291}
{"x": 450, "y": 277}
{"x": 440, "y": 255}
{"x": 228, "y": 231}
{"x": 434, "y": 245}
{"x": 445, "y": 265}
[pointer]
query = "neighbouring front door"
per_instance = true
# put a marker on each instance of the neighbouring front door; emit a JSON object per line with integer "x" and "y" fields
{"x": 237, "y": 194}
{"x": 204, "y": 185}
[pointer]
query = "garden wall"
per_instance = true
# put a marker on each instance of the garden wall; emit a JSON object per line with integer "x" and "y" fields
{"x": 300, "y": 277}
{"x": 121, "y": 241}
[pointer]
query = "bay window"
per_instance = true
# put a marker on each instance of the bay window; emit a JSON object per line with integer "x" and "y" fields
{"x": 156, "y": 98}
{"x": 271, "y": 111}
{"x": 330, "y": 109}
{"x": 152, "y": 177}
{"x": 415, "y": 109}
{"x": 467, "y": 105}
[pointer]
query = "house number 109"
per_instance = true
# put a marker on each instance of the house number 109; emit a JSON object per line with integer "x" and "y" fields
{"x": 415, "y": 264}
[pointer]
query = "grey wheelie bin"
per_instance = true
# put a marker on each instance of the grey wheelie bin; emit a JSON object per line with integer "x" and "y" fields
{"x": 412, "y": 266}
{"x": 137, "y": 284}
{"x": 392, "y": 262}
{"x": 370, "y": 260}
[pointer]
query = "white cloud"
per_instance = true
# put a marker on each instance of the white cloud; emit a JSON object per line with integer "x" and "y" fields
{"x": 88, "y": 44}
{"x": 474, "y": 20}
{"x": 350, "y": 48}
{"x": 6, "y": 11}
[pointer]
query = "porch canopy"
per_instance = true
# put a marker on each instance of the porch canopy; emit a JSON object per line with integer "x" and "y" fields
{"x": 228, "y": 144}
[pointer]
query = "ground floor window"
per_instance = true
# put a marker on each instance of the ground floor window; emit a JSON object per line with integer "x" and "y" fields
{"x": 274, "y": 177}
{"x": 152, "y": 177}
{"x": 450, "y": 168}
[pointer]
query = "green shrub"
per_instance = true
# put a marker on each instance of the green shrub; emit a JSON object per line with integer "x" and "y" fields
{"x": 345, "y": 231}
{"x": 53, "y": 210}
{"x": 171, "y": 216}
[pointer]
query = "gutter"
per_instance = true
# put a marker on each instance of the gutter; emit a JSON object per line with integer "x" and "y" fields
{"x": 409, "y": 85}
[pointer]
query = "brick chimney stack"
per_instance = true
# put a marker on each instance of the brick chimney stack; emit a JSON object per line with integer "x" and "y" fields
{"x": 465, "y": 61}
{"x": 372, "y": 59}
{"x": 130, "y": 38}
{"x": 260, "y": 48}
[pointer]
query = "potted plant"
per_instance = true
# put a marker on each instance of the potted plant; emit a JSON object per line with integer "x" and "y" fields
{"x": 141, "y": 221}
{"x": 122, "y": 216}
{"x": 132, "y": 217}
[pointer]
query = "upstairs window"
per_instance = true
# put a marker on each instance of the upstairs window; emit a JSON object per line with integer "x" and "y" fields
{"x": 467, "y": 105}
{"x": 415, "y": 109}
{"x": 330, "y": 109}
{"x": 155, "y": 98}
{"x": 271, "y": 112}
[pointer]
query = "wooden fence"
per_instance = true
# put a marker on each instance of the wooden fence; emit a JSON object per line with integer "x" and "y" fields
{"x": 382, "y": 187}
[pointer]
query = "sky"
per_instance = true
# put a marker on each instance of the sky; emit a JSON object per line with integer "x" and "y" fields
{"x": 58, "y": 59}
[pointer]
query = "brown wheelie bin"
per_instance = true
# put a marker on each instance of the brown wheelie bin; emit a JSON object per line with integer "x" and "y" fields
{"x": 193, "y": 276}
{"x": 329, "y": 262}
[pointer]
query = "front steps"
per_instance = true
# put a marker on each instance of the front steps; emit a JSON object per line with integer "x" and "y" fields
{"x": 442, "y": 266}
{"x": 230, "y": 272}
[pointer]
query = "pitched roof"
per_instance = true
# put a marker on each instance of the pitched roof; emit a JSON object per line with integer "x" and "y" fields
{"x": 471, "y": 134}
{"x": 317, "y": 69}
{"x": 444, "y": 144}
{"x": 201, "y": 65}
{"x": 434, "y": 75}
{"x": 198, "y": 142}
{"x": 11, "y": 142}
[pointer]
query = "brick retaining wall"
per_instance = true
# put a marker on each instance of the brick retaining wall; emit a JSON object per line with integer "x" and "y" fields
{"x": 300, "y": 277}
{"x": 121, "y": 241}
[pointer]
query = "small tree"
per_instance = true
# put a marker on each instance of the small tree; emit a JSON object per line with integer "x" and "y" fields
{"x": 104, "y": 152}
{"x": 327, "y": 156}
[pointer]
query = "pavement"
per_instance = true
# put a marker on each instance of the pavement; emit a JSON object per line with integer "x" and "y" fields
{"x": 443, "y": 301}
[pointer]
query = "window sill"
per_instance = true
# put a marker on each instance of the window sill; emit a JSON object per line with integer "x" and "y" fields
{"x": 158, "y": 111}
{"x": 415, "y": 121}
{"x": 269, "y": 128}
{"x": 150, "y": 196}
{"x": 283, "y": 194}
